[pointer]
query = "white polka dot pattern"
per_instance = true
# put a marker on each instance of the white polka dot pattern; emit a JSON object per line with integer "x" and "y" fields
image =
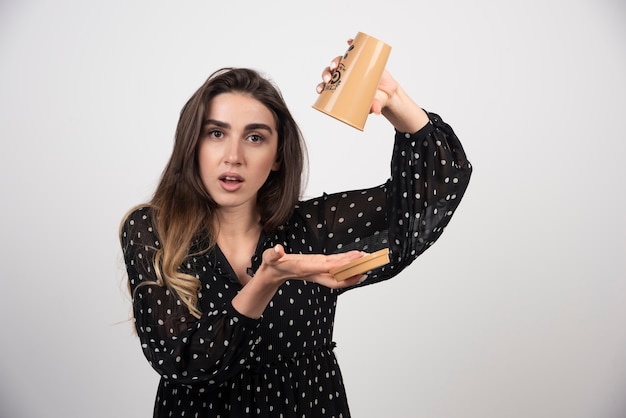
{"x": 283, "y": 365}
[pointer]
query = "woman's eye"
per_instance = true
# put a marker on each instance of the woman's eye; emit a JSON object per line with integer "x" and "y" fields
{"x": 255, "y": 138}
{"x": 215, "y": 133}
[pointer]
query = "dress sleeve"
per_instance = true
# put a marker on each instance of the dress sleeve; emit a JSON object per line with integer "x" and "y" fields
{"x": 177, "y": 345}
{"x": 407, "y": 214}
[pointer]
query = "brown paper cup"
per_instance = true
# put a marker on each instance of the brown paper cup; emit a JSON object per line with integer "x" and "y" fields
{"x": 349, "y": 94}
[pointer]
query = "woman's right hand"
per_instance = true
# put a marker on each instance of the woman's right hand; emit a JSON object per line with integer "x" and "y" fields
{"x": 280, "y": 266}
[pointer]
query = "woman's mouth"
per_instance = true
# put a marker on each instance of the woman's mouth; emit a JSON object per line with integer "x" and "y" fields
{"x": 231, "y": 182}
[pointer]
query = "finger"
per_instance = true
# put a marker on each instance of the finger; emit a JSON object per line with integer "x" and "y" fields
{"x": 376, "y": 107}
{"x": 334, "y": 64}
{"x": 342, "y": 258}
{"x": 327, "y": 74}
{"x": 272, "y": 255}
{"x": 381, "y": 97}
{"x": 280, "y": 250}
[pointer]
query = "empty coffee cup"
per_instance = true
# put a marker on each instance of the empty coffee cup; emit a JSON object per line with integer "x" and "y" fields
{"x": 349, "y": 94}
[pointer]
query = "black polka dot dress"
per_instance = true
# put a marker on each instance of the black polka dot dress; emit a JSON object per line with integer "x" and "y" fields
{"x": 282, "y": 365}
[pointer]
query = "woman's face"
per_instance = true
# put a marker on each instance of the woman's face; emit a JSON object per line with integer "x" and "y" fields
{"x": 237, "y": 149}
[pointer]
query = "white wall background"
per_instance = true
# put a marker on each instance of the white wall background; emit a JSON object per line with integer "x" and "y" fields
{"x": 518, "y": 311}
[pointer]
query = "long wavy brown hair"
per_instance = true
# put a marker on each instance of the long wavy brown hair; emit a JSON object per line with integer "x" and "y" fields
{"x": 183, "y": 210}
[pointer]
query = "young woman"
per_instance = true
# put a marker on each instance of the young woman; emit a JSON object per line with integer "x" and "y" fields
{"x": 229, "y": 271}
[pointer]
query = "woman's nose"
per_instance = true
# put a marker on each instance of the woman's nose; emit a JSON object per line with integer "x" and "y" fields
{"x": 233, "y": 153}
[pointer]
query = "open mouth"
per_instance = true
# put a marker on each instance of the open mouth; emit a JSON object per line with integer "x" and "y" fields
{"x": 231, "y": 179}
{"x": 231, "y": 182}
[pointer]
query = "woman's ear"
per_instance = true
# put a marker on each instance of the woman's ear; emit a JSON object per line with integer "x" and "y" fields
{"x": 276, "y": 166}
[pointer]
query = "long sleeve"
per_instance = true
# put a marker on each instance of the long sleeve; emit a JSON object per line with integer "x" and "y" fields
{"x": 407, "y": 214}
{"x": 429, "y": 175}
{"x": 179, "y": 346}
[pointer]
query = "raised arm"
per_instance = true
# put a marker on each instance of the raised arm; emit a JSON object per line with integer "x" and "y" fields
{"x": 429, "y": 175}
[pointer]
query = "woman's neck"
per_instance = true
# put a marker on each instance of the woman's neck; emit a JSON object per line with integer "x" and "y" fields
{"x": 237, "y": 223}
{"x": 238, "y": 233}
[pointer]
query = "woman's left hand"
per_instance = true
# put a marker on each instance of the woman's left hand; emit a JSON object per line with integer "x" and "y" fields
{"x": 387, "y": 86}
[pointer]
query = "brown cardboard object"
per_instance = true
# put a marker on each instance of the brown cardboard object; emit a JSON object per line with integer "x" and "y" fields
{"x": 349, "y": 94}
{"x": 362, "y": 265}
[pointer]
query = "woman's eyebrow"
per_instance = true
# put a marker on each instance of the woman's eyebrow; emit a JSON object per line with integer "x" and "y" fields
{"x": 249, "y": 127}
{"x": 216, "y": 123}
{"x": 254, "y": 126}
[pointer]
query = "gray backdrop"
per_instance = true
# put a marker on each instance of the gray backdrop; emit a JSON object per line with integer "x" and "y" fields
{"x": 518, "y": 311}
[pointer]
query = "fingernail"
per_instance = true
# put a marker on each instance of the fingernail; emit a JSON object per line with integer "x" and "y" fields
{"x": 318, "y": 89}
{"x": 276, "y": 249}
{"x": 332, "y": 65}
{"x": 326, "y": 78}
{"x": 362, "y": 279}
